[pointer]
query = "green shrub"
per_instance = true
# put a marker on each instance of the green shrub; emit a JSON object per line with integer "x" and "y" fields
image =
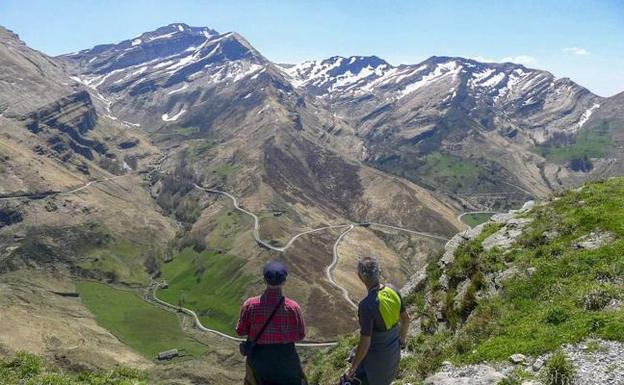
{"x": 556, "y": 316}
{"x": 469, "y": 301}
{"x": 26, "y": 365}
{"x": 28, "y": 369}
{"x": 466, "y": 262}
{"x": 51, "y": 379}
{"x": 533, "y": 238}
{"x": 559, "y": 371}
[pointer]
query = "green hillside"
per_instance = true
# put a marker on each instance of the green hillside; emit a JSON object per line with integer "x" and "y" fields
{"x": 560, "y": 282}
{"x": 29, "y": 369}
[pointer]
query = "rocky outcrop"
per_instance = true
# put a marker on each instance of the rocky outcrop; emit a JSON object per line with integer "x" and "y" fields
{"x": 504, "y": 238}
{"x": 595, "y": 240}
{"x": 65, "y": 123}
{"x": 511, "y": 230}
{"x": 468, "y": 375}
{"x": 597, "y": 362}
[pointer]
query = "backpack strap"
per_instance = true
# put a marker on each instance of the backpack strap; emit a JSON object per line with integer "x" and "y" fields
{"x": 268, "y": 321}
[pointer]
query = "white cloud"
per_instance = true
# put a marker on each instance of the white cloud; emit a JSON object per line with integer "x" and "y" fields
{"x": 484, "y": 59}
{"x": 576, "y": 50}
{"x": 520, "y": 59}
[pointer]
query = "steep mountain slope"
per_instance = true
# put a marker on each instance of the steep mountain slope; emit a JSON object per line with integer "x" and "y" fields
{"x": 53, "y": 140}
{"x": 459, "y": 126}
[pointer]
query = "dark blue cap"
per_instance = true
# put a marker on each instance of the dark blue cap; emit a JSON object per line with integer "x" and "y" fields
{"x": 275, "y": 273}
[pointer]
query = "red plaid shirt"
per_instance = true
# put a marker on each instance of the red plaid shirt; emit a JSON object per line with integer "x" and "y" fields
{"x": 286, "y": 327}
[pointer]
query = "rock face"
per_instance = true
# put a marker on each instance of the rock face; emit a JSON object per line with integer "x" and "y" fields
{"x": 506, "y": 236}
{"x": 29, "y": 79}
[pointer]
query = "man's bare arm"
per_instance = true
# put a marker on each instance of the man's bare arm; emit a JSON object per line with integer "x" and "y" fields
{"x": 360, "y": 354}
{"x": 405, "y": 321}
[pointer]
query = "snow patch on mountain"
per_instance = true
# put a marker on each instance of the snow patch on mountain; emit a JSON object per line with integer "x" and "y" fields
{"x": 337, "y": 73}
{"x": 165, "y": 36}
{"x": 494, "y": 80}
{"x": 185, "y": 86}
{"x": 349, "y": 77}
{"x": 586, "y": 115}
{"x": 442, "y": 70}
{"x": 479, "y": 76}
{"x": 173, "y": 118}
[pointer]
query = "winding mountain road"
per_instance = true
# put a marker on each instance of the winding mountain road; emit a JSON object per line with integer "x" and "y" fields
{"x": 150, "y": 296}
{"x": 45, "y": 194}
{"x": 329, "y": 270}
{"x": 256, "y": 229}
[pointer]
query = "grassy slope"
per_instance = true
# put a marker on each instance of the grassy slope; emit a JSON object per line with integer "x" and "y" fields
{"x": 593, "y": 142}
{"x": 209, "y": 283}
{"x": 123, "y": 259}
{"x": 26, "y": 368}
{"x": 560, "y": 302}
{"x": 144, "y": 327}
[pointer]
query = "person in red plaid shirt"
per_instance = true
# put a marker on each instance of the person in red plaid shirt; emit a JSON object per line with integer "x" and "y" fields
{"x": 274, "y": 359}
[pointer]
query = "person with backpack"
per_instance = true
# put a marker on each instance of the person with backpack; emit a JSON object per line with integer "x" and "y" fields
{"x": 383, "y": 329}
{"x": 272, "y": 324}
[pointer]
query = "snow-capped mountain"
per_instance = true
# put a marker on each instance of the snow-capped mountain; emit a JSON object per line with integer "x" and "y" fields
{"x": 531, "y": 99}
{"x": 166, "y": 72}
{"x": 391, "y": 117}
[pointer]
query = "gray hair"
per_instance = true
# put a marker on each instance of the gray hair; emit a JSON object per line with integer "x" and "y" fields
{"x": 368, "y": 268}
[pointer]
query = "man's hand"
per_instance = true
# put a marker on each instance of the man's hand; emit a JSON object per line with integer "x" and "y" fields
{"x": 349, "y": 374}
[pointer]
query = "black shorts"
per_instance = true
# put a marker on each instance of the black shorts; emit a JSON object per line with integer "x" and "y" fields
{"x": 276, "y": 364}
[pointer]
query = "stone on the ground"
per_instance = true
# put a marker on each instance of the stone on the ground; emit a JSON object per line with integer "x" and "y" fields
{"x": 415, "y": 282}
{"x": 507, "y": 235}
{"x": 538, "y": 364}
{"x": 594, "y": 240}
{"x": 456, "y": 241}
{"x": 614, "y": 304}
{"x": 468, "y": 375}
{"x": 506, "y": 275}
{"x": 518, "y": 359}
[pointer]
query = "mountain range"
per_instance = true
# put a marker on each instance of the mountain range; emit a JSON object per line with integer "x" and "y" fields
{"x": 340, "y": 140}
{"x": 421, "y": 122}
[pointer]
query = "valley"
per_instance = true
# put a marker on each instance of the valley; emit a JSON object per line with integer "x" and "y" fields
{"x": 144, "y": 184}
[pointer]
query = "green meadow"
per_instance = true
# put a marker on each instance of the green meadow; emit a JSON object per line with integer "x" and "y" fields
{"x": 476, "y": 219}
{"x": 146, "y": 328}
{"x": 210, "y": 283}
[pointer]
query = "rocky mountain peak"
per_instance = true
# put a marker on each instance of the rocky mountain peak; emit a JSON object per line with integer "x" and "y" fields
{"x": 7, "y": 34}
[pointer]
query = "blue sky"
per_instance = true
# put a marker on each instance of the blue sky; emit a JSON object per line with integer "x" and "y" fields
{"x": 583, "y": 40}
